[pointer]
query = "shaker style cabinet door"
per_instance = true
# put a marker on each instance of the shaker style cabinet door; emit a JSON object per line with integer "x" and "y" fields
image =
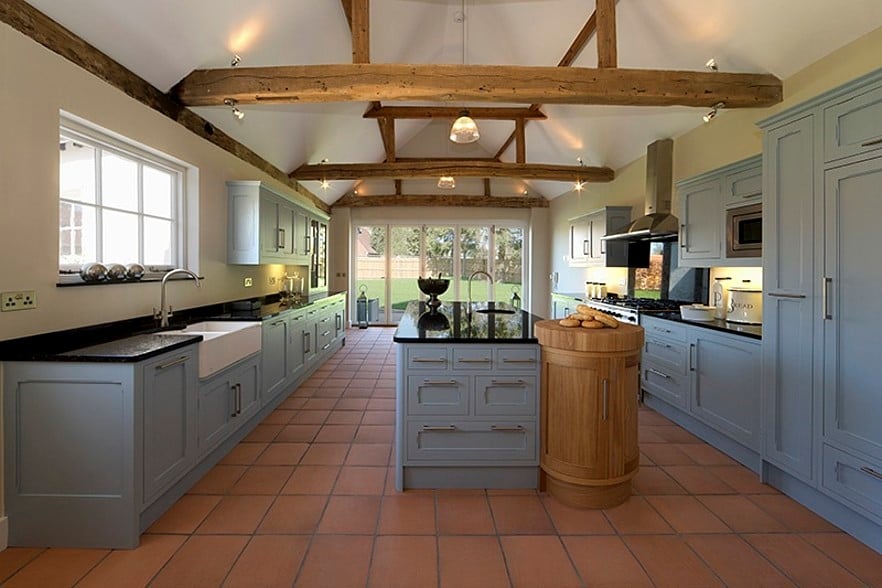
{"x": 700, "y": 227}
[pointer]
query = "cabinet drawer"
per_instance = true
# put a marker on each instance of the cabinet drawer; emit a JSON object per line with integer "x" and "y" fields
{"x": 438, "y": 394}
{"x": 669, "y": 385}
{"x": 428, "y": 358}
{"x": 853, "y": 126}
{"x": 857, "y": 480}
{"x": 471, "y": 441}
{"x": 505, "y": 395}
{"x": 472, "y": 358}
{"x": 667, "y": 353}
{"x": 520, "y": 358}
{"x": 663, "y": 328}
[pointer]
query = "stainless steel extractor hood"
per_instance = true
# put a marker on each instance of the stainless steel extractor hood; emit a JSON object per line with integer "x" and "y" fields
{"x": 658, "y": 224}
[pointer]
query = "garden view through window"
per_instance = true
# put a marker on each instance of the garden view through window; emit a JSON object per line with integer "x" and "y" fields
{"x": 390, "y": 258}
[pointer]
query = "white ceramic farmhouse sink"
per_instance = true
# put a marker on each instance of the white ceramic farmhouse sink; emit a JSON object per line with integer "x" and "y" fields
{"x": 224, "y": 343}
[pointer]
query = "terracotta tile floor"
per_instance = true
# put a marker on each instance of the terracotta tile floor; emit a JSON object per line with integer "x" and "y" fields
{"x": 308, "y": 500}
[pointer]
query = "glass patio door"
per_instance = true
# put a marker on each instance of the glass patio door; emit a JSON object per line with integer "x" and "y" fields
{"x": 404, "y": 268}
{"x": 370, "y": 272}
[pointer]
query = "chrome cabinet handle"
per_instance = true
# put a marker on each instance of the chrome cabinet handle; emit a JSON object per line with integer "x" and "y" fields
{"x": 871, "y": 142}
{"x": 273, "y": 324}
{"x": 307, "y": 342}
{"x": 466, "y": 360}
{"x": 825, "y": 297}
{"x": 325, "y": 346}
{"x": 661, "y": 330}
{"x": 605, "y": 399}
{"x": 752, "y": 195}
{"x": 585, "y": 247}
{"x": 520, "y": 383}
{"x": 280, "y": 239}
{"x": 235, "y": 400}
{"x": 326, "y": 333}
{"x": 173, "y": 362}
{"x": 657, "y": 373}
{"x": 428, "y": 360}
{"x": 871, "y": 471}
{"x": 785, "y": 295}
{"x": 691, "y": 361}
{"x": 506, "y": 427}
{"x": 683, "y": 237}
{"x": 439, "y": 428}
{"x": 531, "y": 360}
{"x": 440, "y": 383}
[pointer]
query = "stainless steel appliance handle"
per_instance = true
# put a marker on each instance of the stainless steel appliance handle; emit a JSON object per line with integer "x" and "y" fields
{"x": 825, "y": 298}
{"x": 871, "y": 471}
{"x": 657, "y": 373}
{"x": 506, "y": 427}
{"x": 439, "y": 428}
{"x": 173, "y": 362}
{"x": 785, "y": 295}
{"x": 605, "y": 399}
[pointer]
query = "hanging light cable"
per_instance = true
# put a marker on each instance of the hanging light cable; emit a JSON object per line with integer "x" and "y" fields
{"x": 464, "y": 129}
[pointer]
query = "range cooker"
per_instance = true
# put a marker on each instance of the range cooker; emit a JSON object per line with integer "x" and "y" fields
{"x": 627, "y": 309}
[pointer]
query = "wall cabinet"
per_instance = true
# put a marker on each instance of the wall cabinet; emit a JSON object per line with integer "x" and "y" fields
{"x": 265, "y": 227}
{"x": 586, "y": 247}
{"x": 704, "y": 201}
{"x": 820, "y": 387}
{"x": 713, "y": 376}
{"x": 562, "y": 306}
{"x": 469, "y": 416}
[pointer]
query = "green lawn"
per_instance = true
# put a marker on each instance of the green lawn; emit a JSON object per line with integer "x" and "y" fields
{"x": 405, "y": 289}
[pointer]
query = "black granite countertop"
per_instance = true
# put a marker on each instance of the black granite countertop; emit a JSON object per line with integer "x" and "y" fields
{"x": 752, "y": 331}
{"x": 130, "y": 349}
{"x": 135, "y": 339}
{"x": 457, "y": 322}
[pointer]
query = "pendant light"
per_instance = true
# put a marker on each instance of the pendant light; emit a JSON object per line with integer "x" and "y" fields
{"x": 446, "y": 183}
{"x": 464, "y": 129}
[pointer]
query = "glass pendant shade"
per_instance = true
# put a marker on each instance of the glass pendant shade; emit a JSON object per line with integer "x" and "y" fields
{"x": 446, "y": 182}
{"x": 464, "y": 129}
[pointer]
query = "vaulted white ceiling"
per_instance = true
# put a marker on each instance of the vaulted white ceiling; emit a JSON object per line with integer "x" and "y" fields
{"x": 164, "y": 40}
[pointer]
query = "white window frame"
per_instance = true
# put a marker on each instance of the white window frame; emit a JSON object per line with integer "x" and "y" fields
{"x": 184, "y": 183}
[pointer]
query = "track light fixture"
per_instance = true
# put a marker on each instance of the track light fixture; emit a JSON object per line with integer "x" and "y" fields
{"x": 233, "y": 104}
{"x": 712, "y": 114}
{"x": 235, "y": 61}
{"x": 711, "y": 64}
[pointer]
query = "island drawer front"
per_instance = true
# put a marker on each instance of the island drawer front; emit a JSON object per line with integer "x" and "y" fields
{"x": 505, "y": 395}
{"x": 472, "y": 358}
{"x": 471, "y": 441}
{"x": 428, "y": 357}
{"x": 663, "y": 328}
{"x": 669, "y": 385}
{"x": 857, "y": 480}
{"x": 667, "y": 353}
{"x": 438, "y": 394}
{"x": 521, "y": 358}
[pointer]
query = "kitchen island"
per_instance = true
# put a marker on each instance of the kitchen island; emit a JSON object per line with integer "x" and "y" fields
{"x": 467, "y": 397}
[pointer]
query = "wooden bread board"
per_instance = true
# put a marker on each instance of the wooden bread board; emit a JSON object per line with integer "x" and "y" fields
{"x": 625, "y": 338}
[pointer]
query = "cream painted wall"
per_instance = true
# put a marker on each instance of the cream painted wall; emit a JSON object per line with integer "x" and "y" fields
{"x": 732, "y": 136}
{"x": 34, "y": 86}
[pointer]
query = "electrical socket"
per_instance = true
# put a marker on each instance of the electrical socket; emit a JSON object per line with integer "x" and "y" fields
{"x": 272, "y": 280}
{"x": 24, "y": 300}
{"x": 249, "y": 282}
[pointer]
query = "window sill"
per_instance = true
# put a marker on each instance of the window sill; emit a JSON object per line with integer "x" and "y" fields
{"x": 79, "y": 282}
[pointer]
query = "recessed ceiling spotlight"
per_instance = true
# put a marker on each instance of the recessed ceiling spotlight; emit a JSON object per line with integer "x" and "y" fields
{"x": 235, "y": 61}
{"x": 711, "y": 64}
{"x": 325, "y": 184}
{"x": 446, "y": 183}
{"x": 525, "y": 192}
{"x": 233, "y": 104}
{"x": 712, "y": 113}
{"x": 355, "y": 192}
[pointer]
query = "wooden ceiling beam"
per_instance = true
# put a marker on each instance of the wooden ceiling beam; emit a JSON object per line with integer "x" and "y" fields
{"x": 465, "y": 169}
{"x": 606, "y": 33}
{"x": 452, "y": 112}
{"x": 446, "y": 200}
{"x": 360, "y": 27}
{"x": 387, "y": 132}
{"x": 520, "y": 141}
{"x": 486, "y": 83}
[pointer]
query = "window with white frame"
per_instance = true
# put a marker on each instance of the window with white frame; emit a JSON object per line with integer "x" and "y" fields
{"x": 118, "y": 203}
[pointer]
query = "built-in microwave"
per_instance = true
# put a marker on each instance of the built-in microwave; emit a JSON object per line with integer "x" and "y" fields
{"x": 744, "y": 231}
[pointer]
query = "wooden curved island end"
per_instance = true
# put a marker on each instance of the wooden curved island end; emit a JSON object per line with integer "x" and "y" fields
{"x": 589, "y": 412}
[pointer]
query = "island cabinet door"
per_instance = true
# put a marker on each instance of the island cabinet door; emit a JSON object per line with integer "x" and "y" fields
{"x": 438, "y": 394}
{"x": 506, "y": 395}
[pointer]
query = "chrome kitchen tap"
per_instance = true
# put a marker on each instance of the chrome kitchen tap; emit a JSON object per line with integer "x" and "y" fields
{"x": 489, "y": 277}
{"x": 164, "y": 312}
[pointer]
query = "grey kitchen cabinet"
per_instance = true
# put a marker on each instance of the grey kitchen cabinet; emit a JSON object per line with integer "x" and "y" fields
{"x": 725, "y": 384}
{"x": 704, "y": 202}
{"x": 226, "y": 401}
{"x": 265, "y": 226}
{"x": 274, "y": 358}
{"x": 318, "y": 264}
{"x": 586, "y": 232}
{"x": 789, "y": 373}
{"x": 467, "y": 415}
{"x": 294, "y": 327}
{"x": 711, "y": 375}
{"x": 562, "y": 306}
{"x": 170, "y": 420}
{"x": 821, "y": 345}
